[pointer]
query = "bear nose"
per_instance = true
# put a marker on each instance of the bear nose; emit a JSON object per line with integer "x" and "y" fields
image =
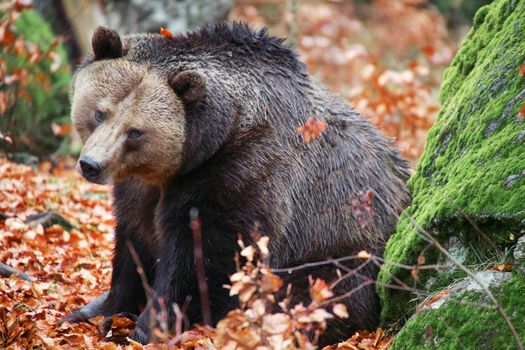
{"x": 90, "y": 168}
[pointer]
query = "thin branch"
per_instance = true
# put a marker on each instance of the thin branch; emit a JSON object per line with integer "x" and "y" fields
{"x": 347, "y": 294}
{"x": 410, "y": 267}
{"x": 140, "y": 270}
{"x": 195, "y": 225}
{"x": 162, "y": 315}
{"x": 6, "y": 271}
{"x": 315, "y": 264}
{"x": 349, "y": 273}
{"x": 336, "y": 262}
{"x": 293, "y": 7}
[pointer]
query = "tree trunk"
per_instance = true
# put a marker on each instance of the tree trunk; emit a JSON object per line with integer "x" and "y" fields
{"x": 177, "y": 15}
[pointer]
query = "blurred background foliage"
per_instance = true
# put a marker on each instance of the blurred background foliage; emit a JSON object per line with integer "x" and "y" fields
{"x": 35, "y": 73}
{"x": 459, "y": 12}
{"x": 385, "y": 56}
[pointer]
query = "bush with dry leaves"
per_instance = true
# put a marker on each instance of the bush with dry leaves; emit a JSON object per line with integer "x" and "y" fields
{"x": 34, "y": 82}
{"x": 263, "y": 322}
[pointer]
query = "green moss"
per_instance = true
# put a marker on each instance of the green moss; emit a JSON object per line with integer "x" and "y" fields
{"x": 451, "y": 327}
{"x": 473, "y": 164}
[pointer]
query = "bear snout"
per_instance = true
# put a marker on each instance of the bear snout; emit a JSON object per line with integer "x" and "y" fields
{"x": 89, "y": 168}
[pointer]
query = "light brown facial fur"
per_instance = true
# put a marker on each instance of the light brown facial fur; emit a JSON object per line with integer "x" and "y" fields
{"x": 139, "y": 129}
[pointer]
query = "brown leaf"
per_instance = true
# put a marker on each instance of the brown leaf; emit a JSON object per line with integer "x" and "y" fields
{"x": 276, "y": 324}
{"x": 271, "y": 283}
{"x": 340, "y": 310}
{"x": 61, "y": 130}
{"x": 363, "y": 254}
{"x": 320, "y": 291}
{"x": 521, "y": 113}
{"x": 311, "y": 129}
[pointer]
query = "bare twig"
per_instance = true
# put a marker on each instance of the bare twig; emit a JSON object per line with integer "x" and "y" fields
{"x": 150, "y": 293}
{"x": 140, "y": 270}
{"x": 410, "y": 267}
{"x": 293, "y": 7}
{"x": 6, "y": 271}
{"x": 179, "y": 318}
{"x": 337, "y": 261}
{"x": 349, "y": 273}
{"x": 348, "y": 294}
{"x": 195, "y": 225}
{"x": 315, "y": 264}
{"x": 162, "y": 317}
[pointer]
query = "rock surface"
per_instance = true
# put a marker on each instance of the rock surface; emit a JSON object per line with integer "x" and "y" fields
{"x": 467, "y": 319}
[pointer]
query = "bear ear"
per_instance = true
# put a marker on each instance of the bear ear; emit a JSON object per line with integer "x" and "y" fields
{"x": 106, "y": 43}
{"x": 189, "y": 85}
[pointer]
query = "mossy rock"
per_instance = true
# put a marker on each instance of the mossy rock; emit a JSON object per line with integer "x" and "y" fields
{"x": 470, "y": 181}
{"x": 469, "y": 321}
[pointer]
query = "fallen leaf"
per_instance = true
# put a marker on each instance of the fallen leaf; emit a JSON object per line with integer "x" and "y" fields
{"x": 166, "y": 33}
{"x": 311, "y": 129}
{"x": 320, "y": 291}
{"x": 363, "y": 254}
{"x": 340, "y": 310}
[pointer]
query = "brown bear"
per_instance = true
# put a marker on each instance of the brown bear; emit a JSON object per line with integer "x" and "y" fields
{"x": 207, "y": 120}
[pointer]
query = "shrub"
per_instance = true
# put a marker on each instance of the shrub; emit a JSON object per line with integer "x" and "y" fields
{"x": 34, "y": 81}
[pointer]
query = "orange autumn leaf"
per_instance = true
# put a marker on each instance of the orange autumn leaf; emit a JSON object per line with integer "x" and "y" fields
{"x": 415, "y": 274}
{"x": 61, "y": 129}
{"x": 522, "y": 70}
{"x": 320, "y": 291}
{"x": 435, "y": 298}
{"x": 54, "y": 229}
{"x": 271, "y": 283}
{"x": 311, "y": 129}
{"x": 166, "y": 33}
{"x": 521, "y": 113}
{"x": 501, "y": 268}
{"x": 7, "y": 38}
{"x": 428, "y": 50}
{"x": 364, "y": 340}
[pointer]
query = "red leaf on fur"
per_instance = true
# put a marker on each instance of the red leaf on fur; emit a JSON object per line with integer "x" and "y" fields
{"x": 166, "y": 33}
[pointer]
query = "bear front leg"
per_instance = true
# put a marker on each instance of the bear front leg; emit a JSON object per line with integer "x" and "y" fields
{"x": 174, "y": 281}
{"x": 134, "y": 208}
{"x": 126, "y": 294}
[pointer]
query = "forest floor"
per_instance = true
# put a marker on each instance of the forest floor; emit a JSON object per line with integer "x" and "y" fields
{"x": 67, "y": 255}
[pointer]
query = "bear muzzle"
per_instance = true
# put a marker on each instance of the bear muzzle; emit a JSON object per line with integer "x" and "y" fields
{"x": 89, "y": 169}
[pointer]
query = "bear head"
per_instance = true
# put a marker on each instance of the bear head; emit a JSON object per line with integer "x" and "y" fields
{"x": 131, "y": 117}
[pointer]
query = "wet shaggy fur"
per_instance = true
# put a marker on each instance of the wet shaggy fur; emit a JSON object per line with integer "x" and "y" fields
{"x": 245, "y": 169}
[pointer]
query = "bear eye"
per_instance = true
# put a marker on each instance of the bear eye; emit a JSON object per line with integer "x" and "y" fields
{"x": 100, "y": 116}
{"x": 134, "y": 134}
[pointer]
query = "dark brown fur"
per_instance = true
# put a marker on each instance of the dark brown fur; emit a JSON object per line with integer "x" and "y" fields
{"x": 244, "y": 168}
